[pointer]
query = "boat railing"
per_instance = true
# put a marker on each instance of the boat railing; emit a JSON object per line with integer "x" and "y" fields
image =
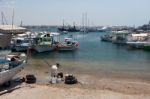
{"x": 9, "y": 65}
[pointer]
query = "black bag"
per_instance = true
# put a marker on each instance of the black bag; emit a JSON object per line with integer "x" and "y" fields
{"x": 60, "y": 75}
{"x": 70, "y": 79}
{"x": 30, "y": 79}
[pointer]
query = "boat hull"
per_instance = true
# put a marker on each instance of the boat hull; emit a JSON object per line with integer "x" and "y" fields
{"x": 44, "y": 48}
{"x": 20, "y": 48}
{"x": 67, "y": 48}
{"x": 147, "y": 48}
{"x": 7, "y": 75}
{"x": 119, "y": 41}
{"x": 136, "y": 45}
{"x": 106, "y": 39}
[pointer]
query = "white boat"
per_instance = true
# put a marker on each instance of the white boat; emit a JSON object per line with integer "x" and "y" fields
{"x": 68, "y": 45}
{"x": 120, "y": 37}
{"x": 20, "y": 44}
{"x": 107, "y": 38}
{"x": 136, "y": 44}
{"x": 44, "y": 42}
{"x": 11, "y": 65}
{"x": 137, "y": 40}
{"x": 44, "y": 48}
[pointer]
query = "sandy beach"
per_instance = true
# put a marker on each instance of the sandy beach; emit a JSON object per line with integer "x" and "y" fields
{"x": 70, "y": 92}
{"x": 89, "y": 87}
{"x": 100, "y": 85}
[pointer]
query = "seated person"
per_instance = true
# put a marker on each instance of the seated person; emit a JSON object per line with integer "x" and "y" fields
{"x": 13, "y": 63}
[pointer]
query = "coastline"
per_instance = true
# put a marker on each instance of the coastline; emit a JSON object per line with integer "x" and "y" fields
{"x": 89, "y": 87}
{"x": 91, "y": 82}
{"x": 108, "y": 90}
{"x": 50, "y": 92}
{"x": 108, "y": 85}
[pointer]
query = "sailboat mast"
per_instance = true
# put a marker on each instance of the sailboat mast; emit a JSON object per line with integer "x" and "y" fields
{"x": 85, "y": 20}
{"x": 63, "y": 23}
{"x": 21, "y": 23}
{"x": 2, "y": 18}
{"x": 82, "y": 20}
{"x": 12, "y": 20}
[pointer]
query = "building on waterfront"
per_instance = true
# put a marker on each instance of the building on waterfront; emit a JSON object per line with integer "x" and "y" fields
{"x": 6, "y": 32}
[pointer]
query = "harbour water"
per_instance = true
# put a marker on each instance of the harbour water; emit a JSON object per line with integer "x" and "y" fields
{"x": 99, "y": 58}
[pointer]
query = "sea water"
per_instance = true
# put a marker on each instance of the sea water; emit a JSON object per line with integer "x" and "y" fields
{"x": 97, "y": 57}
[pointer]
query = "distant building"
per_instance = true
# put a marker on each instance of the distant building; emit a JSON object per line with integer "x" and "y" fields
{"x": 6, "y": 32}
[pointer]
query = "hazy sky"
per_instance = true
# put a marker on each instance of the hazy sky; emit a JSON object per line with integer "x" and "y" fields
{"x": 99, "y": 12}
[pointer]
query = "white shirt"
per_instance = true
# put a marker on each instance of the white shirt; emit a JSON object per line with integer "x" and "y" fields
{"x": 54, "y": 70}
{"x": 54, "y": 79}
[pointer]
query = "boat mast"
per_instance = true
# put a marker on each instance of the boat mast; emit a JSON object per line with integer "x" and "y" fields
{"x": 4, "y": 21}
{"x": 74, "y": 25}
{"x": 21, "y": 23}
{"x": 63, "y": 23}
{"x": 82, "y": 22}
{"x": 85, "y": 21}
{"x": 12, "y": 20}
{"x": 2, "y": 18}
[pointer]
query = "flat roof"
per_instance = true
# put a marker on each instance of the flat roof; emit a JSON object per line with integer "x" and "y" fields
{"x": 11, "y": 28}
{"x": 141, "y": 34}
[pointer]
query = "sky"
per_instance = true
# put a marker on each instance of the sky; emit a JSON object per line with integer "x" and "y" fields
{"x": 99, "y": 12}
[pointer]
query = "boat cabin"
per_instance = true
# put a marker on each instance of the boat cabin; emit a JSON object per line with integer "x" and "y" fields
{"x": 44, "y": 39}
{"x": 138, "y": 37}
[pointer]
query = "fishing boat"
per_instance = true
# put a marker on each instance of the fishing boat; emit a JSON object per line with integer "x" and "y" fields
{"x": 44, "y": 42}
{"x": 20, "y": 44}
{"x": 107, "y": 38}
{"x": 120, "y": 37}
{"x": 68, "y": 45}
{"x": 10, "y": 65}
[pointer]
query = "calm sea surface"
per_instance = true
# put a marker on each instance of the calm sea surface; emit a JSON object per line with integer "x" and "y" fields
{"x": 95, "y": 56}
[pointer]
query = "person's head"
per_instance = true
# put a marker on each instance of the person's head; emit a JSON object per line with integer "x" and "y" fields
{"x": 13, "y": 59}
{"x": 58, "y": 65}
